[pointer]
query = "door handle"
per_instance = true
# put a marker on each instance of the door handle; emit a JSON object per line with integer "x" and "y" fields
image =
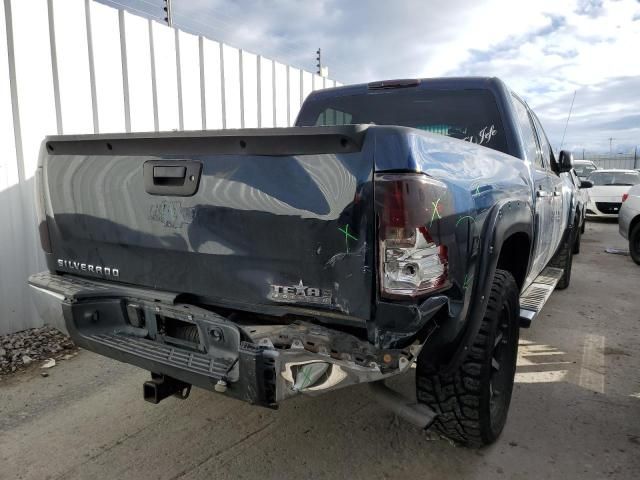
{"x": 179, "y": 178}
{"x": 169, "y": 172}
{"x": 542, "y": 193}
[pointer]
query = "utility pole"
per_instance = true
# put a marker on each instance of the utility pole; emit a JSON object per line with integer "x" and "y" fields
{"x": 318, "y": 62}
{"x": 168, "y": 15}
{"x": 320, "y": 70}
{"x": 610, "y": 148}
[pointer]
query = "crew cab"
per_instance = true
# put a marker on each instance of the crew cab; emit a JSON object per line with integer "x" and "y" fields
{"x": 399, "y": 223}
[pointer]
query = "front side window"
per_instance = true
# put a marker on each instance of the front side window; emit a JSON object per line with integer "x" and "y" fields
{"x": 575, "y": 179}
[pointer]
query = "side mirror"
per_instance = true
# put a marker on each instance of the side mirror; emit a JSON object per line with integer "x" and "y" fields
{"x": 586, "y": 184}
{"x": 565, "y": 161}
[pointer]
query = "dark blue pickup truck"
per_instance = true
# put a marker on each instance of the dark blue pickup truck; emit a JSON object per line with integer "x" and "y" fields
{"x": 399, "y": 223}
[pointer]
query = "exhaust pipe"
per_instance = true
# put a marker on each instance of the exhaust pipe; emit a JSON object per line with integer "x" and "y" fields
{"x": 161, "y": 387}
{"x": 415, "y": 413}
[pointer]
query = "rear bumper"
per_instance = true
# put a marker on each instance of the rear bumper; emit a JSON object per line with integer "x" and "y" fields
{"x": 255, "y": 363}
{"x": 603, "y": 209}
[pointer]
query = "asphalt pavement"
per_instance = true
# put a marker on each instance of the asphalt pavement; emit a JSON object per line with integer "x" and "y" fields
{"x": 575, "y": 412}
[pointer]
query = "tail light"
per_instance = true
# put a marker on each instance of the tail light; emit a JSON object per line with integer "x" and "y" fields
{"x": 412, "y": 259}
{"x": 624, "y": 197}
{"x": 41, "y": 217}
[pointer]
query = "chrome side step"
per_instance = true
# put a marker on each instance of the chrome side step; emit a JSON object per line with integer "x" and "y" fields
{"x": 536, "y": 295}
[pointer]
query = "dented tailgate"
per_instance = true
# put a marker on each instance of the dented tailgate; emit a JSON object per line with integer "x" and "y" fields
{"x": 271, "y": 220}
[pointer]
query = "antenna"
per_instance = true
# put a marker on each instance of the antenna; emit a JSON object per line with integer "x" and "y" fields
{"x": 568, "y": 117}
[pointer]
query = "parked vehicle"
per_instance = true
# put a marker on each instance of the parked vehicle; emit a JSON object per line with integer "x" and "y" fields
{"x": 605, "y": 197}
{"x": 584, "y": 168}
{"x": 579, "y": 197}
{"x": 400, "y": 222}
{"x": 629, "y": 221}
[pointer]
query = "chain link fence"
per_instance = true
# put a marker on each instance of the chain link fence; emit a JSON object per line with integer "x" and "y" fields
{"x": 604, "y": 160}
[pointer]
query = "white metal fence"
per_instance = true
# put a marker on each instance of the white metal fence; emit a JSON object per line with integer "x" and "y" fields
{"x": 76, "y": 66}
{"x": 620, "y": 160}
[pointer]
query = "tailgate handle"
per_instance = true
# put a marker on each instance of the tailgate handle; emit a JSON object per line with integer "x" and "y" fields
{"x": 178, "y": 178}
{"x": 169, "y": 172}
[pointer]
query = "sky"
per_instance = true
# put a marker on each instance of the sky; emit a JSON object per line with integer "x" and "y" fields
{"x": 544, "y": 50}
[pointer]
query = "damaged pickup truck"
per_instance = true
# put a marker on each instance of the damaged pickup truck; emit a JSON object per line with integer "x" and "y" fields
{"x": 399, "y": 223}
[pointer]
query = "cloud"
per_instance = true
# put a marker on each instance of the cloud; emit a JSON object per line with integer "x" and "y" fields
{"x": 544, "y": 50}
{"x": 591, "y": 8}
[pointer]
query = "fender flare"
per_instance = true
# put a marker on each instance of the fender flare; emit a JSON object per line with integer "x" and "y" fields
{"x": 505, "y": 219}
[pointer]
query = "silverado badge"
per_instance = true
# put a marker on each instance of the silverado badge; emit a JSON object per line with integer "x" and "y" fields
{"x": 300, "y": 294}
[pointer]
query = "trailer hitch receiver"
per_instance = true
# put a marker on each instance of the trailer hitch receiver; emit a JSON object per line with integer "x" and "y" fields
{"x": 162, "y": 386}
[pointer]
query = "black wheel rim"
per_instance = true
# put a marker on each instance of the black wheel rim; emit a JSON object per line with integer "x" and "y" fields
{"x": 500, "y": 367}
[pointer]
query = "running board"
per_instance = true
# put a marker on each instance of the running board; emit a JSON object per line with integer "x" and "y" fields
{"x": 536, "y": 295}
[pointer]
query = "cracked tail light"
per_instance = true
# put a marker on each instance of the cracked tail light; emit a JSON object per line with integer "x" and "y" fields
{"x": 412, "y": 260}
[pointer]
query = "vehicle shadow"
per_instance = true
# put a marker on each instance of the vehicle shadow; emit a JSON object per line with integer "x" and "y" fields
{"x": 346, "y": 434}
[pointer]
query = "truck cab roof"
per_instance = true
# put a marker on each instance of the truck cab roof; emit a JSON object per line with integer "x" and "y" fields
{"x": 440, "y": 83}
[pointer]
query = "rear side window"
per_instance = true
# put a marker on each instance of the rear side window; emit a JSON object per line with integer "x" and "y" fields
{"x": 530, "y": 143}
{"x": 470, "y": 115}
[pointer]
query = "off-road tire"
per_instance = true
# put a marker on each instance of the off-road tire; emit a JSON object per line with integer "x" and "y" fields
{"x": 634, "y": 243}
{"x": 564, "y": 259}
{"x": 464, "y": 398}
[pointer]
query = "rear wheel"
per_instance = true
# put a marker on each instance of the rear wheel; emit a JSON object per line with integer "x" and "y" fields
{"x": 472, "y": 401}
{"x": 634, "y": 243}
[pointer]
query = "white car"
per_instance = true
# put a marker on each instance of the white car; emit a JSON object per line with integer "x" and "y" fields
{"x": 629, "y": 221}
{"x": 584, "y": 168}
{"x": 605, "y": 197}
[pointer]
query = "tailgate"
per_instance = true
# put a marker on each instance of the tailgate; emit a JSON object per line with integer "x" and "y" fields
{"x": 249, "y": 219}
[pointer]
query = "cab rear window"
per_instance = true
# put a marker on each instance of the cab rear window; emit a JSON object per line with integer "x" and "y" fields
{"x": 470, "y": 115}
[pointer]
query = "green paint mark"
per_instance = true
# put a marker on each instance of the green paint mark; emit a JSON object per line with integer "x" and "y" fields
{"x": 462, "y": 218}
{"x": 466, "y": 281}
{"x": 307, "y": 378}
{"x": 436, "y": 211}
{"x": 347, "y": 236}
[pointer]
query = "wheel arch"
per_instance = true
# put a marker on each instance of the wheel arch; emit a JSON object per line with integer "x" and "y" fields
{"x": 507, "y": 239}
{"x": 634, "y": 221}
{"x": 515, "y": 256}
